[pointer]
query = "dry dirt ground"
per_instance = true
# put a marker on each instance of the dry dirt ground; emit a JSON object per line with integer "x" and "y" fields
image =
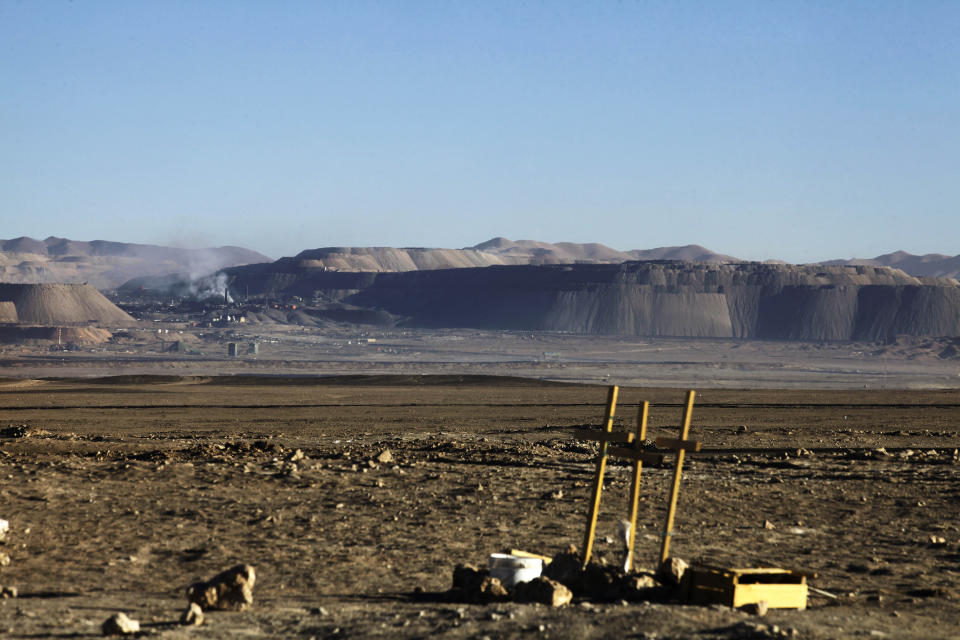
{"x": 908, "y": 363}
{"x": 121, "y": 492}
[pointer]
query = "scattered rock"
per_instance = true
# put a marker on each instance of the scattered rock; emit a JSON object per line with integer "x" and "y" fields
{"x": 15, "y": 431}
{"x": 4, "y": 530}
{"x": 566, "y": 568}
{"x": 120, "y": 625}
{"x": 754, "y": 631}
{"x": 231, "y": 590}
{"x": 4, "y": 559}
{"x": 492, "y": 590}
{"x": 636, "y": 587}
{"x": 193, "y": 616}
{"x": 599, "y": 582}
{"x": 742, "y": 428}
{"x": 769, "y": 525}
{"x": 9, "y": 592}
{"x": 543, "y": 590}
{"x": 671, "y": 571}
{"x": 937, "y": 541}
{"x": 296, "y": 456}
{"x": 466, "y": 577}
{"x": 476, "y": 586}
{"x": 385, "y": 457}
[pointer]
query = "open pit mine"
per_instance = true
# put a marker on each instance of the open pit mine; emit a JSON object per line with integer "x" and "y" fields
{"x": 652, "y": 298}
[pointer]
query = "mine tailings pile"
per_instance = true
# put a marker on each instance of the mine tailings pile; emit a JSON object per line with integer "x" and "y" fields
{"x": 650, "y": 298}
{"x": 49, "y": 311}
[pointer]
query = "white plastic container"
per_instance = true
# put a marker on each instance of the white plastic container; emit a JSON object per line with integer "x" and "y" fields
{"x": 513, "y": 569}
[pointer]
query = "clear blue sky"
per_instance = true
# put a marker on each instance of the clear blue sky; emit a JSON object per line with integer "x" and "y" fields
{"x": 766, "y": 129}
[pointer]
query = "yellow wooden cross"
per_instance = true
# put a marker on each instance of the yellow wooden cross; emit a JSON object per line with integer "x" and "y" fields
{"x": 633, "y": 451}
{"x": 681, "y": 445}
{"x": 604, "y": 439}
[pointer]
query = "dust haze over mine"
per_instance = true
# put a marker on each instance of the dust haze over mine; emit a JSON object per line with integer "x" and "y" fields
{"x": 587, "y": 289}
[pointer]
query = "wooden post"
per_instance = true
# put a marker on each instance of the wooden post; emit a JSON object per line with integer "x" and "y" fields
{"x": 642, "y": 415}
{"x": 598, "y": 479}
{"x": 677, "y": 474}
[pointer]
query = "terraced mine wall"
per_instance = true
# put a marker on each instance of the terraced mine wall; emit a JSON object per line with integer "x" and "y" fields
{"x": 288, "y": 276}
{"x": 744, "y": 300}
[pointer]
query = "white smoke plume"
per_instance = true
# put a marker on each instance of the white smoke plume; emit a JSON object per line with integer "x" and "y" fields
{"x": 204, "y": 281}
{"x": 213, "y": 286}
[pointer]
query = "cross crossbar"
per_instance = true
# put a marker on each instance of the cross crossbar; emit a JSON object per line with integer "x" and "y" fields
{"x": 633, "y": 450}
{"x": 676, "y": 444}
{"x": 602, "y": 436}
{"x": 636, "y": 454}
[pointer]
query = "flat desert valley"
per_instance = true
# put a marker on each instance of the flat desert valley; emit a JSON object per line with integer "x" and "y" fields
{"x": 354, "y": 471}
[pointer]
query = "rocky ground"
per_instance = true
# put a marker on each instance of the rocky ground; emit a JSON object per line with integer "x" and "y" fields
{"x": 121, "y": 493}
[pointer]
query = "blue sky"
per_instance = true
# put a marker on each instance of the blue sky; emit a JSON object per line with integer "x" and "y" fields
{"x": 795, "y": 130}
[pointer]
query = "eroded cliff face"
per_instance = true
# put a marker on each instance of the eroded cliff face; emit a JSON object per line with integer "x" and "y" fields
{"x": 743, "y": 300}
{"x": 677, "y": 299}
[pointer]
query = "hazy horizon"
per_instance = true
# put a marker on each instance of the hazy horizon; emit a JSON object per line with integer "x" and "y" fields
{"x": 716, "y": 250}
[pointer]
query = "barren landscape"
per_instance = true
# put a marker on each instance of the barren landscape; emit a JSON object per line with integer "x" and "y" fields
{"x": 354, "y": 454}
{"x": 122, "y": 491}
{"x": 480, "y": 320}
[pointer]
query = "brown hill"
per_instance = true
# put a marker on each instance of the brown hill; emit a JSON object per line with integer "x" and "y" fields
{"x": 494, "y": 252}
{"x": 934, "y": 265}
{"x": 61, "y": 305}
{"x": 534, "y": 252}
{"x": 394, "y": 259}
{"x": 106, "y": 265}
{"x": 686, "y": 253}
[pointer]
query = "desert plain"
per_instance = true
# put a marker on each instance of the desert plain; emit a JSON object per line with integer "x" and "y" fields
{"x": 127, "y": 474}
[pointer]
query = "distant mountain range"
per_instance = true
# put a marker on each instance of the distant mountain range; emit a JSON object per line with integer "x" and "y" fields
{"x": 495, "y": 252}
{"x": 501, "y": 251}
{"x": 531, "y": 251}
{"x": 106, "y": 265}
{"x": 934, "y": 265}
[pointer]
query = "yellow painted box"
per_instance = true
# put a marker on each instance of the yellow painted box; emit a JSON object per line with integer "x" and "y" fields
{"x": 779, "y": 588}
